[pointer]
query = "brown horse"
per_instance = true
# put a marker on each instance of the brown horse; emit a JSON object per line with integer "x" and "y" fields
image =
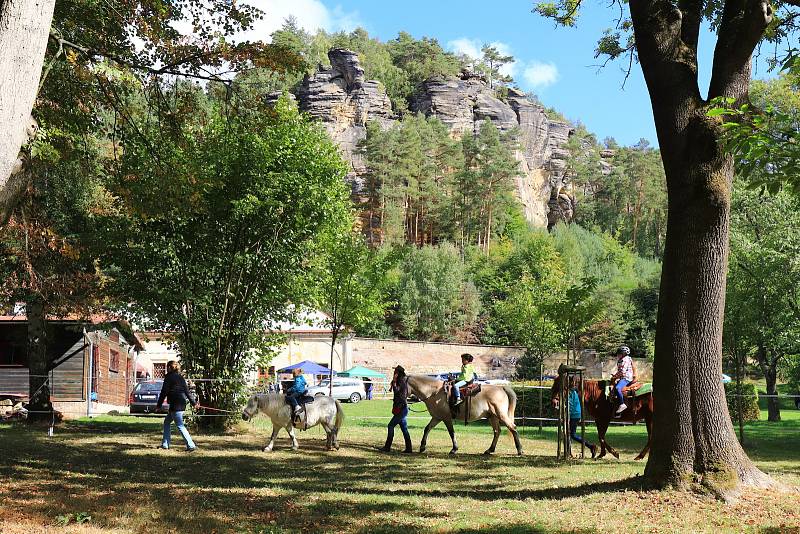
{"x": 601, "y": 408}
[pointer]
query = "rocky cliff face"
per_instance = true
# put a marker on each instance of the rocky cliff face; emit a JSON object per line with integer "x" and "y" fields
{"x": 344, "y": 101}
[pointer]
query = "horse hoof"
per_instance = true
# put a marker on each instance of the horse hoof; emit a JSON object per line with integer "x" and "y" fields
{"x": 639, "y": 457}
{"x": 616, "y": 455}
{"x": 519, "y": 452}
{"x": 453, "y": 451}
{"x": 488, "y": 452}
{"x": 266, "y": 449}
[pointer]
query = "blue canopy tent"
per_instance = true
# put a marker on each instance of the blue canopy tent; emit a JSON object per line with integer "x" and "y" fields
{"x": 308, "y": 367}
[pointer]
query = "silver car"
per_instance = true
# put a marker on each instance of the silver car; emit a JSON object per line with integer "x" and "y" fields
{"x": 351, "y": 389}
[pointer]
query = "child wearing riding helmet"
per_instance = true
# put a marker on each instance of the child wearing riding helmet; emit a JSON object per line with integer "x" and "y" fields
{"x": 623, "y": 376}
{"x": 466, "y": 376}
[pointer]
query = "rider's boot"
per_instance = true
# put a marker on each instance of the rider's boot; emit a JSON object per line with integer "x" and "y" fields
{"x": 409, "y": 448}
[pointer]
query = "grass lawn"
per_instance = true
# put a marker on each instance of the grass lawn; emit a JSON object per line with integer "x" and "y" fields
{"x": 109, "y": 469}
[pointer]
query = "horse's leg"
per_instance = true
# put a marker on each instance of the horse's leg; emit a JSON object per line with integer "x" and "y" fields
{"x": 328, "y": 435}
{"x": 271, "y": 443}
{"x": 495, "y": 422}
{"x": 602, "y": 427}
{"x": 512, "y": 428}
{"x": 290, "y": 430}
{"x": 648, "y": 420}
{"x": 606, "y": 445}
{"x": 449, "y": 425}
{"x": 424, "y": 444}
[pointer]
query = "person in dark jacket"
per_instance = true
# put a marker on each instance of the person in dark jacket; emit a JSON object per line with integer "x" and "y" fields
{"x": 177, "y": 393}
{"x": 399, "y": 387}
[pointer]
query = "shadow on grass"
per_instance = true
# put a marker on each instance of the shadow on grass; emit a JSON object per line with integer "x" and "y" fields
{"x": 106, "y": 466}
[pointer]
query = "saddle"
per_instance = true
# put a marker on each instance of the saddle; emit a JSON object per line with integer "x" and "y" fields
{"x": 470, "y": 390}
{"x": 634, "y": 389}
{"x": 305, "y": 399}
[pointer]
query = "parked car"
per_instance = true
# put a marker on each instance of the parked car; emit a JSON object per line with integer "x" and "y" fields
{"x": 350, "y": 389}
{"x": 495, "y": 382}
{"x": 144, "y": 396}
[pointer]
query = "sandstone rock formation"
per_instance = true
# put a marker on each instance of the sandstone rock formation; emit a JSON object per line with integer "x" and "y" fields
{"x": 344, "y": 101}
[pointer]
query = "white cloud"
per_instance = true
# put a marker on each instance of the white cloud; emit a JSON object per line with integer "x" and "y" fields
{"x": 540, "y": 75}
{"x": 472, "y": 49}
{"x": 468, "y": 47}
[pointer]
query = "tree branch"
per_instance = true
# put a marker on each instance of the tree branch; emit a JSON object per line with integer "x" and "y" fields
{"x": 742, "y": 27}
{"x": 668, "y": 64}
{"x": 692, "y": 15}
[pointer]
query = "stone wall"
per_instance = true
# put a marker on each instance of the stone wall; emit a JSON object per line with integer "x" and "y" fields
{"x": 421, "y": 357}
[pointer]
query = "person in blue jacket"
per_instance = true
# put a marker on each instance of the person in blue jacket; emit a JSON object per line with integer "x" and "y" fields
{"x": 298, "y": 389}
{"x": 575, "y": 415}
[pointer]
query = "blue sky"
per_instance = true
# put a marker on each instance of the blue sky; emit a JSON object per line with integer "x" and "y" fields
{"x": 556, "y": 63}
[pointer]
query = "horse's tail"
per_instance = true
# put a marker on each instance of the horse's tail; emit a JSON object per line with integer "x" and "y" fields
{"x": 339, "y": 415}
{"x": 512, "y": 401}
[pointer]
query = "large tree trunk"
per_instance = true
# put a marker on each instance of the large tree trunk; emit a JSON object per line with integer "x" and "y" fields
{"x": 24, "y": 30}
{"x": 693, "y": 437}
{"x": 38, "y": 363}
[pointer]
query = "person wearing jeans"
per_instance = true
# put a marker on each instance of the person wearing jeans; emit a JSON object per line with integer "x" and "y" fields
{"x": 575, "y": 416}
{"x": 399, "y": 387}
{"x": 176, "y": 392}
{"x": 178, "y": 418}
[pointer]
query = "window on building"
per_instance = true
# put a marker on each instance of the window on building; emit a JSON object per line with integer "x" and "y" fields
{"x": 159, "y": 370}
{"x": 113, "y": 361}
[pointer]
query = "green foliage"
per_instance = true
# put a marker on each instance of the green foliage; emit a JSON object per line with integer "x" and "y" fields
{"x": 436, "y": 299}
{"x": 744, "y": 396}
{"x": 763, "y": 133}
{"x": 222, "y": 215}
{"x": 762, "y": 314}
{"x": 347, "y": 280}
{"x": 423, "y": 187}
{"x": 628, "y": 200}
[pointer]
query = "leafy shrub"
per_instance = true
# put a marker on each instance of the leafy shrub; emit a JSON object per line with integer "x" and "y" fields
{"x": 748, "y": 400}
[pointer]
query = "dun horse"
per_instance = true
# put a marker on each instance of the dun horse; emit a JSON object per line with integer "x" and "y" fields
{"x": 496, "y": 403}
{"x": 601, "y": 408}
{"x": 323, "y": 411}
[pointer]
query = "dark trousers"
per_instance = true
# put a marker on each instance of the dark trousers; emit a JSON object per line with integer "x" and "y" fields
{"x": 573, "y": 429}
{"x": 294, "y": 399}
{"x": 399, "y": 419}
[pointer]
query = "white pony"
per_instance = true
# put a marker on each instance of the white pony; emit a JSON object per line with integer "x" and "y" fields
{"x": 323, "y": 411}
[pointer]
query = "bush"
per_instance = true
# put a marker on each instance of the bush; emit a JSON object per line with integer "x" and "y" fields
{"x": 749, "y": 401}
